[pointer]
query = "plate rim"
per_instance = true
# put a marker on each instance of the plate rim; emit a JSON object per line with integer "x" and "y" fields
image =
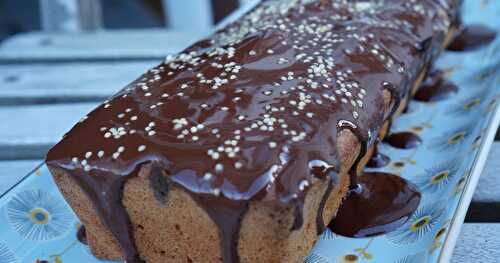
{"x": 465, "y": 199}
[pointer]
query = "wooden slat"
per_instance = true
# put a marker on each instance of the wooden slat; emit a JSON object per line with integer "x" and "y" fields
{"x": 26, "y": 132}
{"x": 96, "y": 46}
{"x": 89, "y": 14}
{"x": 486, "y": 201}
{"x": 57, "y": 15}
{"x": 70, "y": 15}
{"x": 188, "y": 15}
{"x": 66, "y": 82}
{"x": 478, "y": 243}
{"x": 13, "y": 171}
{"x": 488, "y": 188}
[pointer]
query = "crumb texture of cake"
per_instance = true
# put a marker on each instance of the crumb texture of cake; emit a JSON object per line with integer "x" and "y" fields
{"x": 239, "y": 148}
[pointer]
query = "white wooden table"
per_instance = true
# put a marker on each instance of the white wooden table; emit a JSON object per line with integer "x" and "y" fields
{"x": 48, "y": 81}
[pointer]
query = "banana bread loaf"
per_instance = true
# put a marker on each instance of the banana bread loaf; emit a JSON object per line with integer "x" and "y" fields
{"x": 239, "y": 148}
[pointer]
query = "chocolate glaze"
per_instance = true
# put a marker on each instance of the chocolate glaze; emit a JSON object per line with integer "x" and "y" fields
{"x": 81, "y": 235}
{"x": 381, "y": 203}
{"x": 435, "y": 87}
{"x": 298, "y": 220}
{"x": 472, "y": 37}
{"x": 403, "y": 140}
{"x": 239, "y": 115}
{"x": 320, "y": 221}
{"x": 378, "y": 159}
{"x": 227, "y": 214}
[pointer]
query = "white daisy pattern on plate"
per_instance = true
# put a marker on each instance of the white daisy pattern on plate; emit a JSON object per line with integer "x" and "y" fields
{"x": 37, "y": 215}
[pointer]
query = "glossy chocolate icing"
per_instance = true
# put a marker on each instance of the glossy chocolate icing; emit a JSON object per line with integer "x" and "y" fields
{"x": 81, "y": 235}
{"x": 378, "y": 159}
{"x": 435, "y": 87}
{"x": 472, "y": 37}
{"x": 240, "y": 115}
{"x": 403, "y": 140}
{"x": 381, "y": 203}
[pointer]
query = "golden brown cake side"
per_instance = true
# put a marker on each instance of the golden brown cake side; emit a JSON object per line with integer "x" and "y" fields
{"x": 239, "y": 149}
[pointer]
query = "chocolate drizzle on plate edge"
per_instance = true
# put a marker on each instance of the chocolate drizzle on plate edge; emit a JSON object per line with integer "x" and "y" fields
{"x": 403, "y": 140}
{"x": 472, "y": 37}
{"x": 237, "y": 116}
{"x": 378, "y": 159}
{"x": 381, "y": 203}
{"x": 435, "y": 87}
{"x": 81, "y": 235}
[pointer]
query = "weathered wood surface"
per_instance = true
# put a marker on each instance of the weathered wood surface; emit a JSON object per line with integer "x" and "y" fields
{"x": 26, "y": 132}
{"x": 485, "y": 206}
{"x": 70, "y": 15}
{"x": 13, "y": 171}
{"x": 198, "y": 17}
{"x": 66, "y": 82}
{"x": 478, "y": 243}
{"x": 98, "y": 45}
{"x": 488, "y": 189}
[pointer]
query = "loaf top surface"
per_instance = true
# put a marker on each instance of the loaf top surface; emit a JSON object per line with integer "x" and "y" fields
{"x": 258, "y": 104}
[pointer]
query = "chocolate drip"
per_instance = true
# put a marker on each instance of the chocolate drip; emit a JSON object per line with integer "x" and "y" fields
{"x": 381, "y": 203}
{"x": 298, "y": 220}
{"x": 435, "y": 87}
{"x": 159, "y": 183}
{"x": 237, "y": 116}
{"x": 320, "y": 222}
{"x": 106, "y": 190}
{"x": 227, "y": 215}
{"x": 472, "y": 37}
{"x": 403, "y": 140}
{"x": 81, "y": 235}
{"x": 378, "y": 159}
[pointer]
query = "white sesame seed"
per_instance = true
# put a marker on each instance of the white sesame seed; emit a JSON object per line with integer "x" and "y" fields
{"x": 219, "y": 168}
{"x": 100, "y": 154}
{"x": 207, "y": 176}
{"x": 303, "y": 184}
{"x": 141, "y": 148}
{"x": 88, "y": 155}
{"x": 272, "y": 145}
{"x": 238, "y": 165}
